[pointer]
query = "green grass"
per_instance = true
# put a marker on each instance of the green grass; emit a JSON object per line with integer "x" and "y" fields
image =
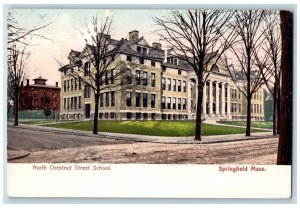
{"x": 255, "y": 124}
{"x": 154, "y": 128}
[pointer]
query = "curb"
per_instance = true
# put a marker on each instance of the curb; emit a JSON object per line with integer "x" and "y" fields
{"x": 25, "y": 154}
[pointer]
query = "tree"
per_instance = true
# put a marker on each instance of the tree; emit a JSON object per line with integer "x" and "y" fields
{"x": 200, "y": 37}
{"x": 101, "y": 65}
{"x": 268, "y": 62}
{"x": 17, "y": 73}
{"x": 284, "y": 156}
{"x": 17, "y": 33}
{"x": 244, "y": 73}
{"x": 47, "y": 111}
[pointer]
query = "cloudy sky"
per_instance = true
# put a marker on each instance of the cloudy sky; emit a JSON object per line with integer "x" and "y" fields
{"x": 64, "y": 33}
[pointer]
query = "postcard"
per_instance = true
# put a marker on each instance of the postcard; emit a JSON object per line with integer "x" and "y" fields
{"x": 149, "y": 103}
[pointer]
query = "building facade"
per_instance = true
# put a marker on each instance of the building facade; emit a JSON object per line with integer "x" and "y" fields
{"x": 39, "y": 95}
{"x": 159, "y": 86}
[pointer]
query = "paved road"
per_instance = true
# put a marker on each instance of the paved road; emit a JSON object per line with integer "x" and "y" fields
{"x": 34, "y": 140}
{"x": 58, "y": 148}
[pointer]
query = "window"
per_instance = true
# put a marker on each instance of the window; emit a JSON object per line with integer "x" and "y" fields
{"x": 79, "y": 102}
{"x": 145, "y": 100}
{"x": 79, "y": 83}
{"x": 163, "y": 102}
{"x": 179, "y": 85}
{"x": 112, "y": 76}
{"x": 75, "y": 102}
{"x": 138, "y": 99}
{"x": 113, "y": 100}
{"x": 128, "y": 99}
{"x": 153, "y": 79}
{"x": 65, "y": 85}
{"x": 174, "y": 85}
{"x": 145, "y": 78}
{"x": 68, "y": 86}
{"x": 106, "y": 77}
{"x": 153, "y": 63}
{"x": 144, "y": 50}
{"x": 214, "y": 68}
{"x": 68, "y": 105}
{"x": 142, "y": 60}
{"x": 75, "y": 84}
{"x": 106, "y": 115}
{"x": 100, "y": 115}
{"x": 169, "y": 103}
{"x": 139, "y": 49}
{"x": 129, "y": 115}
{"x": 153, "y": 116}
{"x": 163, "y": 68}
{"x": 87, "y": 66}
{"x": 112, "y": 115}
{"x": 138, "y": 77}
{"x": 106, "y": 99}
{"x": 65, "y": 100}
{"x": 179, "y": 71}
{"x": 169, "y": 84}
{"x": 129, "y": 58}
{"x": 163, "y": 83}
{"x": 128, "y": 76}
{"x": 65, "y": 72}
{"x": 86, "y": 91}
{"x": 138, "y": 116}
{"x": 71, "y": 84}
{"x": 179, "y": 103}
{"x": 152, "y": 100}
{"x": 174, "y": 103}
{"x": 145, "y": 116}
{"x": 101, "y": 100}
{"x": 184, "y": 86}
{"x": 184, "y": 104}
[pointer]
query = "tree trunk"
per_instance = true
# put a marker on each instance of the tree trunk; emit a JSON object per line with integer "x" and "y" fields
{"x": 248, "y": 124}
{"x": 285, "y": 138}
{"x": 278, "y": 109}
{"x": 198, "y": 111}
{"x": 16, "y": 106}
{"x": 95, "y": 128}
{"x": 275, "y": 109}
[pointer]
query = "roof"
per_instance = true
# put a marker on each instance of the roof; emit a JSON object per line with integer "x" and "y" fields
{"x": 40, "y": 78}
{"x": 41, "y": 86}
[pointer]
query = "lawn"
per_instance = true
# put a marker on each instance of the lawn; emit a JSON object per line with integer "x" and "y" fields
{"x": 255, "y": 124}
{"x": 154, "y": 128}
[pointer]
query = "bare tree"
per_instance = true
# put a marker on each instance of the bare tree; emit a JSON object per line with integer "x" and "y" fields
{"x": 200, "y": 37}
{"x": 245, "y": 74}
{"x": 17, "y": 33}
{"x": 102, "y": 70}
{"x": 267, "y": 58}
{"x": 17, "y": 66}
{"x": 284, "y": 156}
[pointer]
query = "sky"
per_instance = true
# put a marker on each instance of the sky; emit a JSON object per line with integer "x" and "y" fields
{"x": 63, "y": 34}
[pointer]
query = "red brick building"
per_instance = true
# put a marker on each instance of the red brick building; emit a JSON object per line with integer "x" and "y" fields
{"x": 39, "y": 95}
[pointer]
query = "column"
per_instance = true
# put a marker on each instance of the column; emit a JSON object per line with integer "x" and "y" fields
{"x": 228, "y": 100}
{"x": 188, "y": 102}
{"x": 223, "y": 99}
{"x": 217, "y": 98}
{"x": 204, "y": 99}
{"x": 210, "y": 97}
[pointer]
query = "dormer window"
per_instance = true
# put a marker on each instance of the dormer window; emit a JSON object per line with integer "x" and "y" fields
{"x": 87, "y": 69}
{"x": 214, "y": 68}
{"x": 172, "y": 60}
{"x": 142, "y": 50}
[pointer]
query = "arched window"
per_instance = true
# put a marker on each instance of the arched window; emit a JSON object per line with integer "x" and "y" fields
{"x": 214, "y": 68}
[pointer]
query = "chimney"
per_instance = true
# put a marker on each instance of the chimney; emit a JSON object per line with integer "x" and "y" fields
{"x": 156, "y": 45}
{"x": 133, "y": 35}
{"x": 56, "y": 84}
{"x": 27, "y": 82}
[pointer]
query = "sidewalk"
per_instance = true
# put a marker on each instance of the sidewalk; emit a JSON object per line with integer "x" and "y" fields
{"x": 155, "y": 139}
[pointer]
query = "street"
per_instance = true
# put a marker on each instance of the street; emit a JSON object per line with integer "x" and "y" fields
{"x": 57, "y": 147}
